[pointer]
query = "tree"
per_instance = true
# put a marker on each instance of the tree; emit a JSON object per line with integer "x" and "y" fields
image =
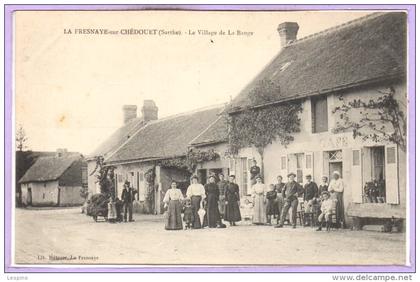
{"x": 105, "y": 177}
{"x": 259, "y": 127}
{"x": 21, "y": 139}
{"x": 379, "y": 120}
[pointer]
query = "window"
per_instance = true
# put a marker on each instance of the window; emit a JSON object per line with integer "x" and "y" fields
{"x": 378, "y": 163}
{"x": 244, "y": 175}
{"x": 374, "y": 190}
{"x": 308, "y": 161}
{"x": 283, "y": 162}
{"x": 335, "y": 156}
{"x": 319, "y": 114}
{"x": 299, "y": 168}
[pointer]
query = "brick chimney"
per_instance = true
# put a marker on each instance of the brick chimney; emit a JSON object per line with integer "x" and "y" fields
{"x": 288, "y": 32}
{"x": 130, "y": 112}
{"x": 149, "y": 110}
{"x": 60, "y": 152}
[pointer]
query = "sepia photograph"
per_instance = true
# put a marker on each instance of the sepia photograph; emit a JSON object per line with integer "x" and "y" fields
{"x": 147, "y": 137}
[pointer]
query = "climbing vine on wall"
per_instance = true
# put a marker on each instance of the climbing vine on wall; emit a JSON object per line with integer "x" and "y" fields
{"x": 191, "y": 160}
{"x": 379, "y": 120}
{"x": 259, "y": 127}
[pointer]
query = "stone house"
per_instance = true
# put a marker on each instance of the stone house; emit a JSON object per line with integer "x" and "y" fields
{"x": 147, "y": 146}
{"x": 356, "y": 60}
{"x": 55, "y": 181}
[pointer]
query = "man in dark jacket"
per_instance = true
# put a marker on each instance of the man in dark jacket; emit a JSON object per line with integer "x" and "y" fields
{"x": 127, "y": 198}
{"x": 290, "y": 195}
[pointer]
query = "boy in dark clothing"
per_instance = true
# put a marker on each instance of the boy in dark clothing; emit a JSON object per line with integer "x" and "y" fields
{"x": 188, "y": 214}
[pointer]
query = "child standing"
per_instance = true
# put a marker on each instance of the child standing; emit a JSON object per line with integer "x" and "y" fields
{"x": 272, "y": 205}
{"x": 188, "y": 214}
{"x": 327, "y": 209}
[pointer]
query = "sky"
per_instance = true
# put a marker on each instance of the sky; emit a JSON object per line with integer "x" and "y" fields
{"x": 70, "y": 88}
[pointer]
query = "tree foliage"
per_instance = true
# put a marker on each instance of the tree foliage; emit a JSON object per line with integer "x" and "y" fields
{"x": 379, "y": 120}
{"x": 21, "y": 139}
{"x": 262, "y": 126}
{"x": 105, "y": 176}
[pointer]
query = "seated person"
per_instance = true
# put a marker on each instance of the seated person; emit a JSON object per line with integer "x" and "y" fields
{"x": 327, "y": 209}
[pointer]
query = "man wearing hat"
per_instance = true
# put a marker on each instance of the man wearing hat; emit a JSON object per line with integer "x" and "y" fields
{"x": 127, "y": 198}
{"x": 290, "y": 195}
{"x": 310, "y": 194}
{"x": 336, "y": 189}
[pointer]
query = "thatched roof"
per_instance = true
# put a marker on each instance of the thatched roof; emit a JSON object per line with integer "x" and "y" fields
{"x": 217, "y": 132}
{"x": 165, "y": 138}
{"x": 368, "y": 50}
{"x": 49, "y": 168}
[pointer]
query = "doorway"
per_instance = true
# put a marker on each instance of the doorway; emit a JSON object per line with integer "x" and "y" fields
{"x": 202, "y": 176}
{"x": 29, "y": 198}
{"x": 335, "y": 162}
{"x": 58, "y": 196}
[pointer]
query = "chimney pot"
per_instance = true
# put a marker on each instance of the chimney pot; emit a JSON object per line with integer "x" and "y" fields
{"x": 61, "y": 152}
{"x": 130, "y": 112}
{"x": 288, "y": 32}
{"x": 149, "y": 110}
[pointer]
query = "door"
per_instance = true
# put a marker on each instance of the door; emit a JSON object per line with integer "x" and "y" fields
{"x": 336, "y": 166}
{"x": 202, "y": 176}
{"x": 141, "y": 187}
{"x": 29, "y": 197}
{"x": 58, "y": 195}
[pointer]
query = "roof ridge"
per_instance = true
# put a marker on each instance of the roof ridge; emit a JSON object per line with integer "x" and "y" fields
{"x": 127, "y": 140}
{"x": 207, "y": 128}
{"x": 202, "y": 109}
{"x": 336, "y": 28}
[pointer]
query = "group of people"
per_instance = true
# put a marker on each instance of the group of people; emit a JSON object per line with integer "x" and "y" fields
{"x": 219, "y": 200}
{"x": 204, "y": 205}
{"x": 117, "y": 207}
{"x": 276, "y": 201}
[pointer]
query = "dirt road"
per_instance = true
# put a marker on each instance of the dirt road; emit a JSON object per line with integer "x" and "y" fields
{"x": 66, "y": 236}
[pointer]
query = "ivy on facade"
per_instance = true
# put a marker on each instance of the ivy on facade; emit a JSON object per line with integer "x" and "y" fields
{"x": 259, "y": 127}
{"x": 379, "y": 120}
{"x": 191, "y": 160}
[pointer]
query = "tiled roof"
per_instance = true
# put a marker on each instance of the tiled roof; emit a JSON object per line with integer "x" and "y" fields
{"x": 49, "y": 168}
{"x": 215, "y": 133}
{"x": 369, "y": 49}
{"x": 118, "y": 138}
{"x": 165, "y": 138}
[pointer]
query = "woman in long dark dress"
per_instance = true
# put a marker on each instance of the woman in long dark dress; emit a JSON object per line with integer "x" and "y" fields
{"x": 232, "y": 212}
{"x": 172, "y": 200}
{"x": 212, "y": 217}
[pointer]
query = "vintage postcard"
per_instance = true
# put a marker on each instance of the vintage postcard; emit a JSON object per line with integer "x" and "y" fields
{"x": 212, "y": 138}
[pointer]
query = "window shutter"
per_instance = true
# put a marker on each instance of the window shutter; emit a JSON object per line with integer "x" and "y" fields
{"x": 391, "y": 175}
{"x": 283, "y": 167}
{"x": 356, "y": 176}
{"x": 308, "y": 165}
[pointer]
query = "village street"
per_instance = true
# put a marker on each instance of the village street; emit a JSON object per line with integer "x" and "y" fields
{"x": 66, "y": 232}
